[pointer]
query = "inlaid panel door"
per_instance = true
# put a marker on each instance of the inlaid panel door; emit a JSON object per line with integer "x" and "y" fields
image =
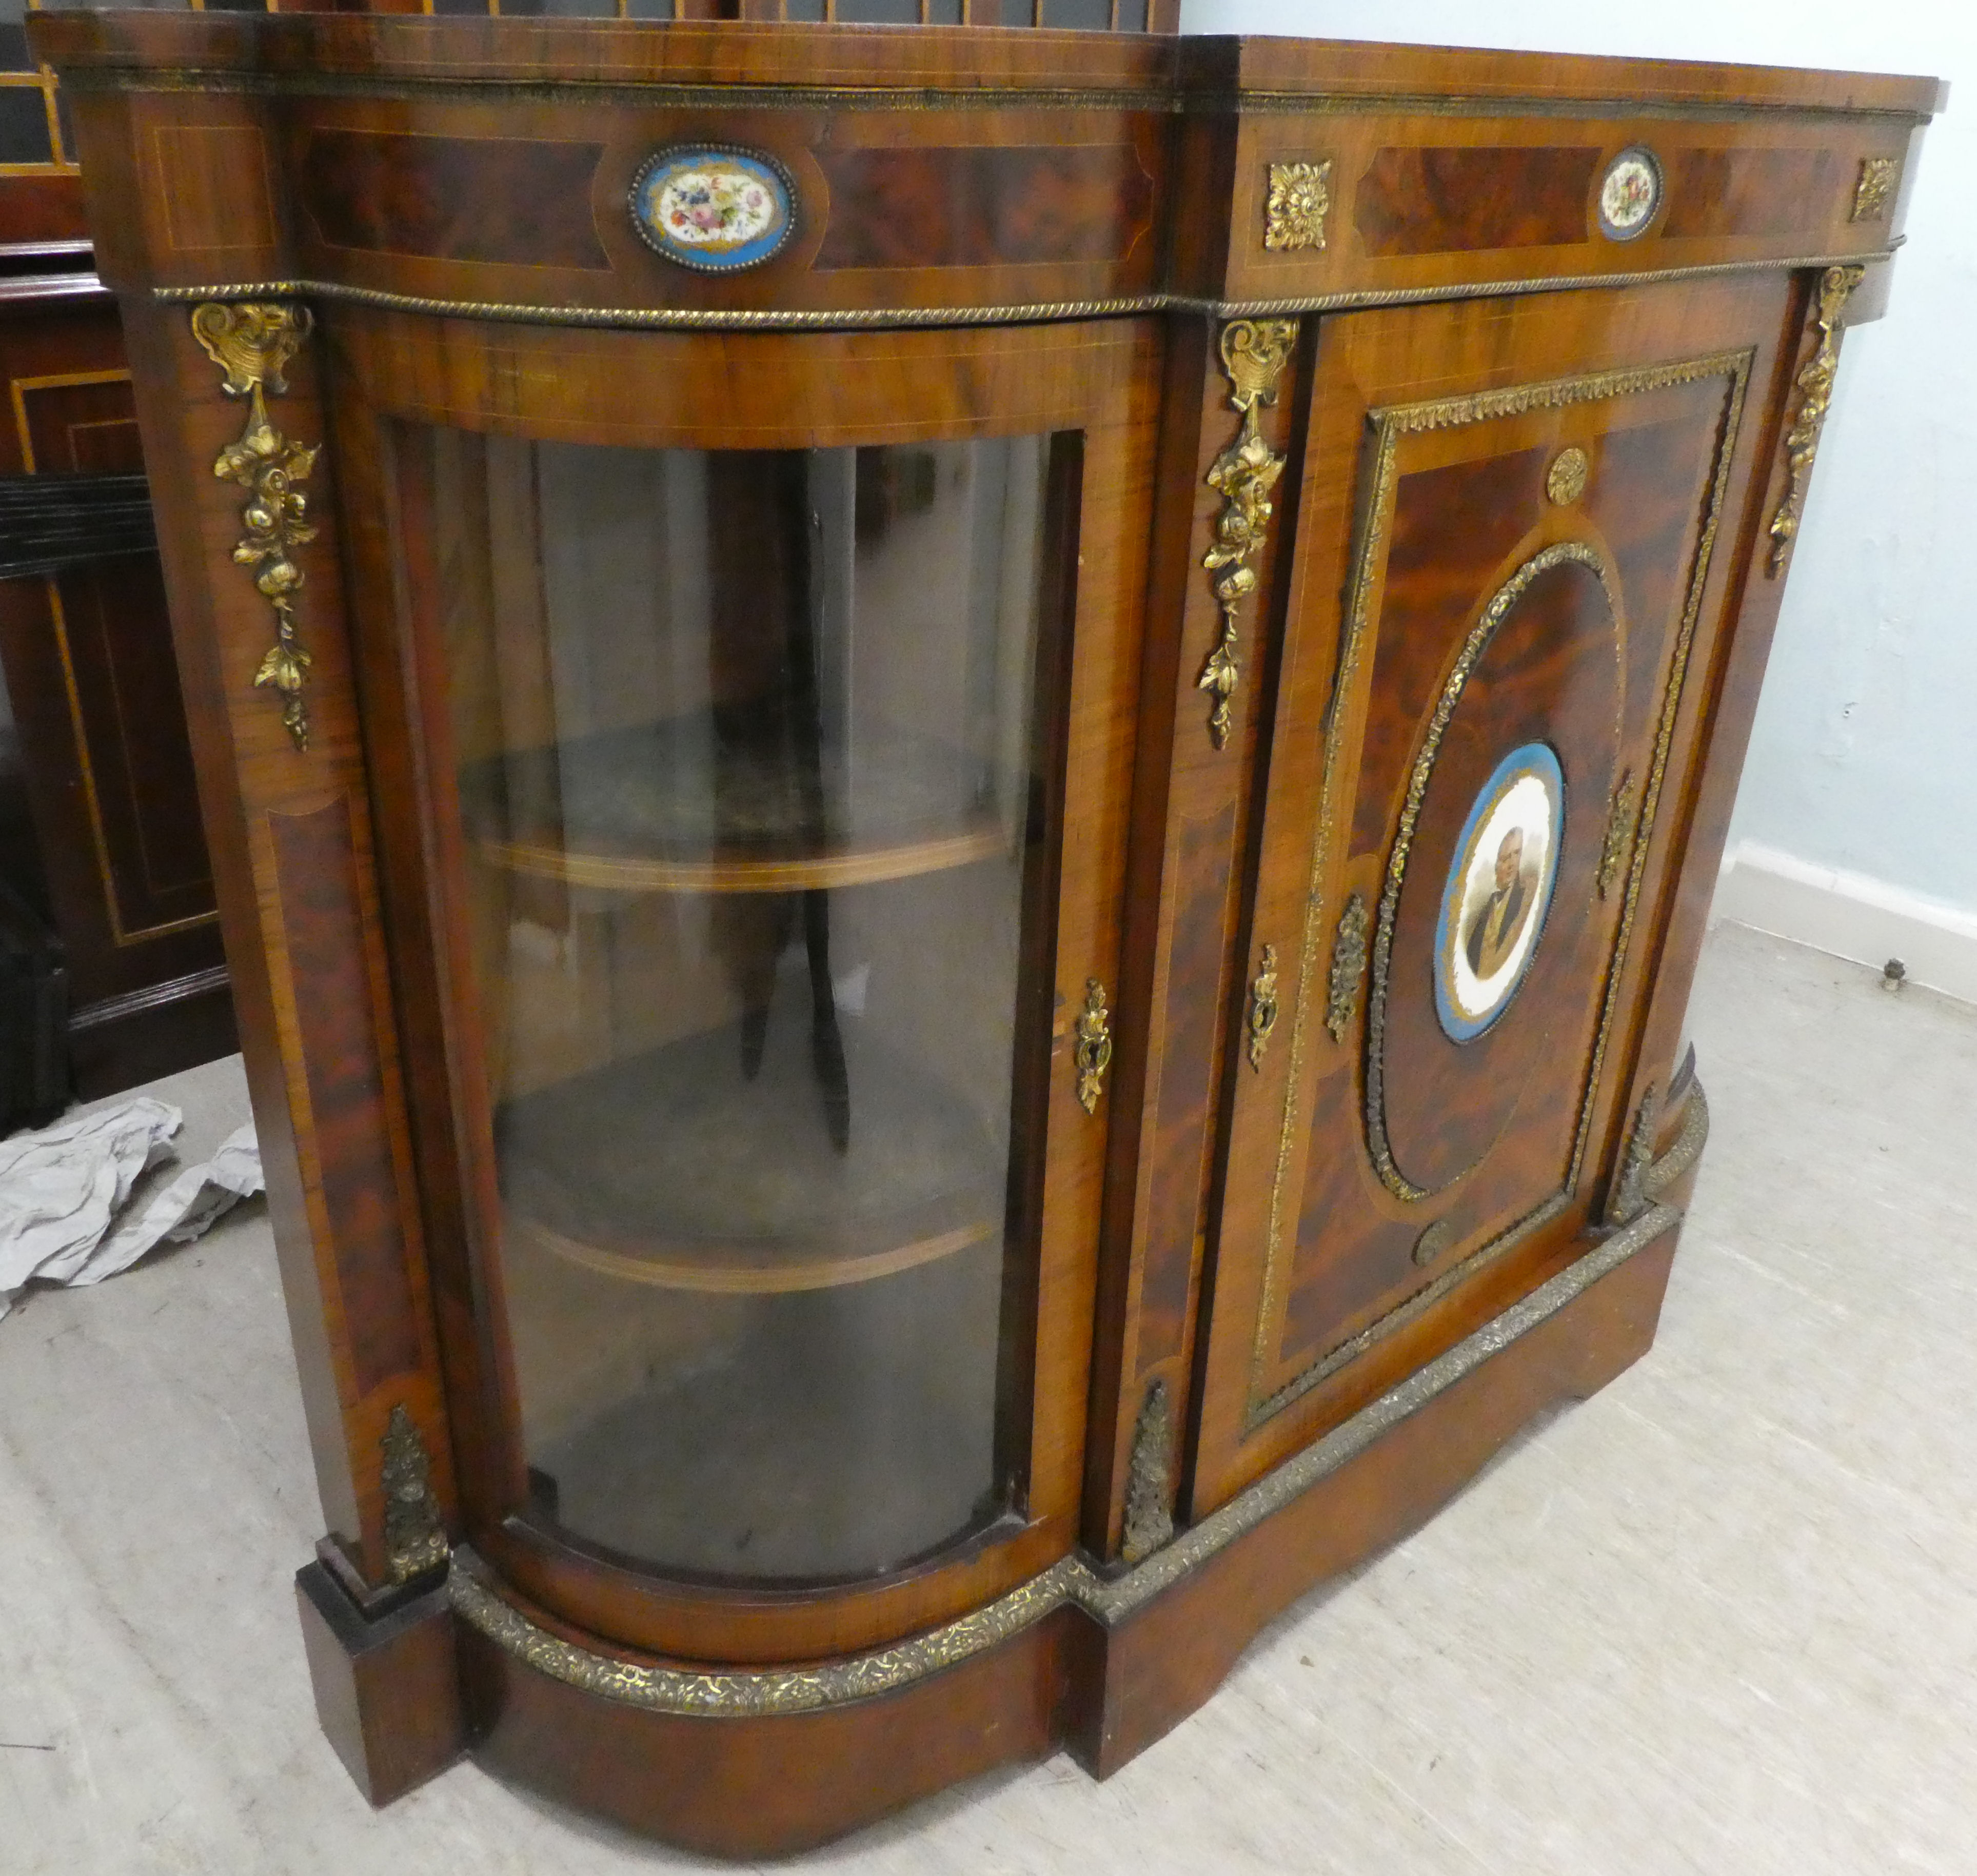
{"x": 1510, "y": 586}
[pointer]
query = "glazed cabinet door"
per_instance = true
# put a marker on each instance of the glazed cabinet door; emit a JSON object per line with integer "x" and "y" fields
{"x": 752, "y": 718}
{"x": 1522, "y": 526}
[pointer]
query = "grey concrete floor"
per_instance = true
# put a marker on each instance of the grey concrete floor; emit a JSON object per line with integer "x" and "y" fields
{"x": 1721, "y": 1618}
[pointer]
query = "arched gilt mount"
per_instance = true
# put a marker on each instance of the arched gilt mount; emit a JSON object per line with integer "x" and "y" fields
{"x": 252, "y": 343}
{"x": 1254, "y": 353}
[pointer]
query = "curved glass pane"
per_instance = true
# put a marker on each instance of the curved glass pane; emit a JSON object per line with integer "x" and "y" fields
{"x": 747, "y": 747}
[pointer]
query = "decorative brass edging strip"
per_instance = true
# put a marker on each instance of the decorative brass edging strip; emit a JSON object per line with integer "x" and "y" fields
{"x": 1112, "y": 1602}
{"x": 1167, "y": 101}
{"x": 1501, "y": 603}
{"x": 253, "y": 342}
{"x": 1815, "y": 382}
{"x": 743, "y": 1695}
{"x": 710, "y": 319}
{"x": 1389, "y": 425}
{"x": 1109, "y": 1601}
{"x": 1254, "y": 353}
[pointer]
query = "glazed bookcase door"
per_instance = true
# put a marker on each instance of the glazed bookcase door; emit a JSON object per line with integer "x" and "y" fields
{"x": 760, "y": 940}
{"x": 1480, "y": 769}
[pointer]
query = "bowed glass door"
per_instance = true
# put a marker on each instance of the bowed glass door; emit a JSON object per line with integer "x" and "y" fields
{"x": 748, "y": 753}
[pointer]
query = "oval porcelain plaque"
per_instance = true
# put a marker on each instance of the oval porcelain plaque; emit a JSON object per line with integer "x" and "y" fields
{"x": 1498, "y": 891}
{"x": 1630, "y": 192}
{"x": 712, "y": 208}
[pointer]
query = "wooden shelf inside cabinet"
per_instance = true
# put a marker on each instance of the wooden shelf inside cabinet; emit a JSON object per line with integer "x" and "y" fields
{"x": 723, "y": 801}
{"x": 677, "y": 1167}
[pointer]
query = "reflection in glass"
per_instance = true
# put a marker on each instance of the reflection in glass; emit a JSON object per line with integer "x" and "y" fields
{"x": 747, "y": 747}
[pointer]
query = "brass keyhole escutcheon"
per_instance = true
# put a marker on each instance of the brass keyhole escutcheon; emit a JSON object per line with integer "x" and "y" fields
{"x": 1263, "y": 1007}
{"x": 1095, "y": 1045}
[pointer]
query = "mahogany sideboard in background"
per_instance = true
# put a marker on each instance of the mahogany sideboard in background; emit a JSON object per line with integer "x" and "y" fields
{"x": 102, "y": 836}
{"x": 963, "y": 783}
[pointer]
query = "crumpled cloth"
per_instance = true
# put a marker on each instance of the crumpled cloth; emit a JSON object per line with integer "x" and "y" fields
{"x": 62, "y": 1186}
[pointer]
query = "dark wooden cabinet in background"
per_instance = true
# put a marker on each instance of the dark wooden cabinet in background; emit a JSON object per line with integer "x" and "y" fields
{"x": 963, "y": 783}
{"x": 97, "y": 800}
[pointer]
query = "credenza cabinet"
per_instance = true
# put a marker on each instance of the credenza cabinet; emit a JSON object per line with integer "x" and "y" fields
{"x": 963, "y": 783}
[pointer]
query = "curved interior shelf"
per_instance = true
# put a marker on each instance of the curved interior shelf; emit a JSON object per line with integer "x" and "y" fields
{"x": 678, "y": 1168}
{"x": 729, "y": 802}
{"x": 826, "y": 1436}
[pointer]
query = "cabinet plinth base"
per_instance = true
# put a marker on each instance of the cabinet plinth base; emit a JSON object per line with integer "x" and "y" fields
{"x": 387, "y": 1686}
{"x": 750, "y": 1764}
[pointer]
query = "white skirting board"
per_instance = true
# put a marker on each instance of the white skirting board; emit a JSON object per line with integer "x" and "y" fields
{"x": 1850, "y": 916}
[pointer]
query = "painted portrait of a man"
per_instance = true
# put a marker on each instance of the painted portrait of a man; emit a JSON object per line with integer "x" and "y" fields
{"x": 1495, "y": 923}
{"x": 1498, "y": 889}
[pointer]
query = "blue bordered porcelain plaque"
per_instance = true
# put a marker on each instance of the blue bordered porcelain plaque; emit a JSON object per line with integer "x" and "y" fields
{"x": 713, "y": 207}
{"x": 1499, "y": 890}
{"x": 1630, "y": 192}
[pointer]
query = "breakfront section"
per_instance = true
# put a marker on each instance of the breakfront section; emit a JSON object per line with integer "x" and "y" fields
{"x": 964, "y": 782}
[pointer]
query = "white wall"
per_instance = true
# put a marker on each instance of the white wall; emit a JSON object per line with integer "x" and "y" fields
{"x": 1864, "y": 763}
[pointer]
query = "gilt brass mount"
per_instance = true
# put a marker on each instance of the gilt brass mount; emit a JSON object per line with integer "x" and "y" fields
{"x": 252, "y": 343}
{"x": 1623, "y": 815}
{"x": 1876, "y": 189}
{"x": 1815, "y": 383}
{"x": 1262, "y": 1007}
{"x": 414, "y": 1540}
{"x": 1294, "y": 212}
{"x": 1254, "y": 353}
{"x": 1150, "y": 1480}
{"x": 1348, "y": 967}
{"x": 1095, "y": 1045}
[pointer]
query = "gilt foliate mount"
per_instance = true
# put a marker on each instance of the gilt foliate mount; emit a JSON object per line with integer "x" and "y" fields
{"x": 1254, "y": 353}
{"x": 252, "y": 342}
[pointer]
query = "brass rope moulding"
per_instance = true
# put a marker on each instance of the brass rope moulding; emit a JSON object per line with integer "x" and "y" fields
{"x": 1110, "y": 1600}
{"x": 800, "y": 319}
{"x": 1390, "y": 424}
{"x": 252, "y": 342}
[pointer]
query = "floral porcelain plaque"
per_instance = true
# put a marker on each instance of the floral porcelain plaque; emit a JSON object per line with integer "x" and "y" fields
{"x": 1498, "y": 891}
{"x": 1630, "y": 192}
{"x": 713, "y": 208}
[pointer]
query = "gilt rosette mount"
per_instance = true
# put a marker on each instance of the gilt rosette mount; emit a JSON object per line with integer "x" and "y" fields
{"x": 253, "y": 342}
{"x": 1254, "y": 353}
